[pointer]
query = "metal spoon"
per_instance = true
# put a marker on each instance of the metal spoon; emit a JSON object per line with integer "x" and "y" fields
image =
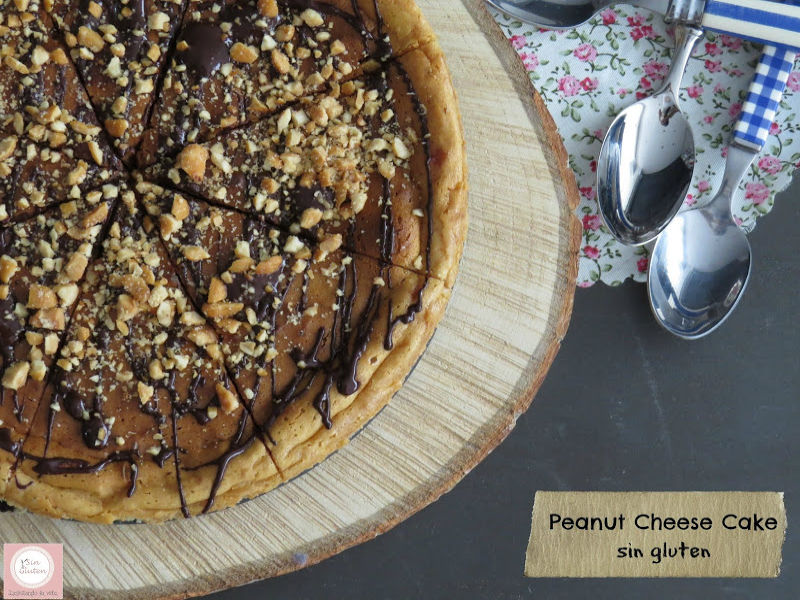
{"x": 701, "y": 263}
{"x": 760, "y": 21}
{"x": 646, "y": 162}
{"x": 564, "y": 14}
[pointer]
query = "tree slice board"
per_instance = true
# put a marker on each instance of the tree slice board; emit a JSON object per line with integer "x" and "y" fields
{"x": 509, "y": 312}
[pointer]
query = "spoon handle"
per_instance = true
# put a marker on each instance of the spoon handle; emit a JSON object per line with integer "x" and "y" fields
{"x": 763, "y": 97}
{"x": 756, "y": 20}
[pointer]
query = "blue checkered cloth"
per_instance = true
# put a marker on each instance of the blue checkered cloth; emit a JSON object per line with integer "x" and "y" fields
{"x": 764, "y": 96}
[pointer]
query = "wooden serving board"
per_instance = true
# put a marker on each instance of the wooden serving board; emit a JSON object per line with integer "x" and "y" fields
{"x": 508, "y": 315}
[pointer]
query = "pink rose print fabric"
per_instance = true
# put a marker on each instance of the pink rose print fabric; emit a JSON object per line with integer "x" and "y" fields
{"x": 587, "y": 75}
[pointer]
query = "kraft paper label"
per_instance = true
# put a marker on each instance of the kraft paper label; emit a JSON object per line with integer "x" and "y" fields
{"x": 656, "y": 534}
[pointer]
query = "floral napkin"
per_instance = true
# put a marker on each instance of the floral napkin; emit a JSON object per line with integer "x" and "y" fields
{"x": 586, "y": 76}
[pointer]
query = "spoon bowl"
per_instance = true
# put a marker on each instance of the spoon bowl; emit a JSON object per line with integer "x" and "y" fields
{"x": 700, "y": 268}
{"x": 645, "y": 168}
{"x": 647, "y": 158}
{"x": 556, "y": 15}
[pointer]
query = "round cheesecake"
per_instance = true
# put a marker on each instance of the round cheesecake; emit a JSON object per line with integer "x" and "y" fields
{"x": 229, "y": 230}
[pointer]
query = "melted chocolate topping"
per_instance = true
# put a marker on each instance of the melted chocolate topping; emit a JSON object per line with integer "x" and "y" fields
{"x": 11, "y": 329}
{"x": 208, "y": 49}
{"x": 67, "y": 466}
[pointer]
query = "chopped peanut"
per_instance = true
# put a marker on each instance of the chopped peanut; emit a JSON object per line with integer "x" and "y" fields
{"x": 268, "y": 8}
{"x": 145, "y": 392}
{"x": 90, "y": 39}
{"x": 217, "y": 291}
{"x": 16, "y": 375}
{"x": 40, "y": 296}
{"x": 117, "y": 127}
{"x": 98, "y": 215}
{"x": 227, "y": 399}
{"x": 222, "y": 310}
{"x": 280, "y": 61}
{"x": 8, "y": 268}
{"x": 49, "y": 318}
{"x": 180, "y": 207}
{"x": 75, "y": 267}
{"x": 7, "y": 147}
{"x": 192, "y": 160}
{"x": 269, "y": 266}
{"x": 242, "y": 53}
{"x": 195, "y": 253}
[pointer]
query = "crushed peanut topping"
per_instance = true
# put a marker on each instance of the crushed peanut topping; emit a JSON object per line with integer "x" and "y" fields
{"x": 39, "y": 268}
{"x": 232, "y": 66}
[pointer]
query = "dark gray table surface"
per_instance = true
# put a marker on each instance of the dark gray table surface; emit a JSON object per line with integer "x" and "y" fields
{"x": 625, "y": 407}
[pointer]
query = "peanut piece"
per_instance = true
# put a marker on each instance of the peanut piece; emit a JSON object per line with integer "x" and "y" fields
{"x": 222, "y": 310}
{"x": 242, "y": 53}
{"x": 98, "y": 215}
{"x": 202, "y": 336}
{"x": 268, "y": 8}
{"x": 16, "y": 375}
{"x": 40, "y": 296}
{"x": 180, "y": 207}
{"x": 116, "y": 127}
{"x": 145, "y": 392}
{"x": 192, "y": 160}
{"x": 310, "y": 218}
{"x": 75, "y": 267}
{"x": 8, "y": 268}
{"x": 269, "y": 266}
{"x": 49, "y": 318}
{"x": 195, "y": 253}
{"x": 217, "y": 291}
{"x": 241, "y": 265}
{"x": 90, "y": 39}
{"x": 280, "y": 62}
{"x": 331, "y": 243}
{"x": 227, "y": 399}
{"x": 7, "y": 147}
{"x": 311, "y": 17}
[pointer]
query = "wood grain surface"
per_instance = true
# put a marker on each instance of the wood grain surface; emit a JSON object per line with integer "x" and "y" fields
{"x": 509, "y": 313}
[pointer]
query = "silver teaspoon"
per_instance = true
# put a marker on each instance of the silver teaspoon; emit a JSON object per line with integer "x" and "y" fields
{"x": 701, "y": 263}
{"x": 646, "y": 161}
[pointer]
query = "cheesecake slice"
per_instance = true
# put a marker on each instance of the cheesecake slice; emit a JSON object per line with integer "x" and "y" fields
{"x": 42, "y": 264}
{"x": 120, "y": 49}
{"x": 52, "y": 147}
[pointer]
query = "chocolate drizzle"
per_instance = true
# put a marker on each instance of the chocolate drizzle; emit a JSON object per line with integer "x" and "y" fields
{"x": 208, "y": 49}
{"x": 11, "y": 329}
{"x": 176, "y": 455}
{"x": 66, "y": 466}
{"x": 7, "y": 442}
{"x": 422, "y": 115}
{"x": 70, "y": 466}
{"x": 239, "y": 445}
{"x": 348, "y": 340}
